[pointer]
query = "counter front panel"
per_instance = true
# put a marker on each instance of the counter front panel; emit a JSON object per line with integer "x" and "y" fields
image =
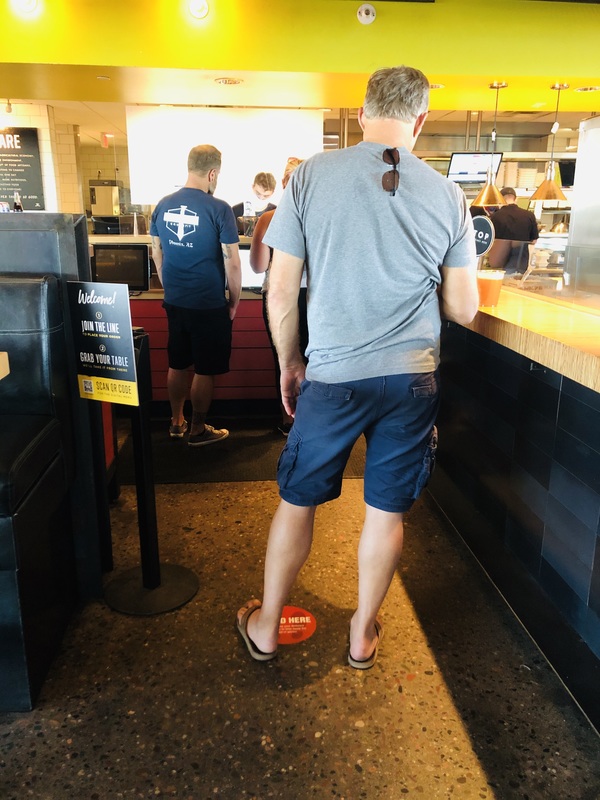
{"x": 252, "y": 369}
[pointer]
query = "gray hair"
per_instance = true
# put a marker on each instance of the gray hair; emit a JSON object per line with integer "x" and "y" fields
{"x": 396, "y": 93}
{"x": 203, "y": 158}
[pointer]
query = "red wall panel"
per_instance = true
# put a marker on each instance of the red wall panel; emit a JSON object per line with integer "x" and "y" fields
{"x": 252, "y": 370}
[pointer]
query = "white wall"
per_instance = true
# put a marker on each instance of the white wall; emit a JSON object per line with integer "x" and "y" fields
{"x": 585, "y": 217}
{"x": 250, "y": 140}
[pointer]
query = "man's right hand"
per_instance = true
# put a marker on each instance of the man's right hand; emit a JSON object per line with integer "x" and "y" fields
{"x": 232, "y": 308}
{"x": 291, "y": 380}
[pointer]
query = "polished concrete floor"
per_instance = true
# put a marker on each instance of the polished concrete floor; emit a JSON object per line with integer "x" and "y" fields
{"x": 459, "y": 705}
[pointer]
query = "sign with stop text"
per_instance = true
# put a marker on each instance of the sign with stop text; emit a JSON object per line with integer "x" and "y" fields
{"x": 484, "y": 234}
{"x": 105, "y": 355}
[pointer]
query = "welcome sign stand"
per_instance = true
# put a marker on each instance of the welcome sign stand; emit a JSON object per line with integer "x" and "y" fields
{"x": 114, "y": 366}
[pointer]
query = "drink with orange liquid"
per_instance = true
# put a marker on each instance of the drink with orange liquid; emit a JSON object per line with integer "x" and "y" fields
{"x": 489, "y": 283}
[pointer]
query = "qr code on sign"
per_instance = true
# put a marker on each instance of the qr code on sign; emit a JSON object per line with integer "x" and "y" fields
{"x": 88, "y": 387}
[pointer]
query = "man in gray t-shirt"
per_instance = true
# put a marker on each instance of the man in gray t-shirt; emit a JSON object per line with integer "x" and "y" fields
{"x": 388, "y": 247}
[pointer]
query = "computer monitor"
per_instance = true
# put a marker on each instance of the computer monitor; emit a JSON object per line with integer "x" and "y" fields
{"x": 122, "y": 263}
{"x": 250, "y": 280}
{"x": 101, "y": 226}
{"x": 472, "y": 167}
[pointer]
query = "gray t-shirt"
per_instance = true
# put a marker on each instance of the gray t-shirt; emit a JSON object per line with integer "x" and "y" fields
{"x": 373, "y": 261}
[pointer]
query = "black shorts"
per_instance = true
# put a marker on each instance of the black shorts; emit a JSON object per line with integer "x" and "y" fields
{"x": 199, "y": 337}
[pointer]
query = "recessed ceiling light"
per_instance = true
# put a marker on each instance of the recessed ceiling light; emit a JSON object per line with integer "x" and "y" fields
{"x": 198, "y": 8}
{"x": 102, "y": 78}
{"x": 228, "y": 81}
{"x": 588, "y": 89}
{"x": 24, "y": 6}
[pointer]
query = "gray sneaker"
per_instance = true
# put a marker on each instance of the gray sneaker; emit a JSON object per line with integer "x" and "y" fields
{"x": 209, "y": 435}
{"x": 178, "y": 431}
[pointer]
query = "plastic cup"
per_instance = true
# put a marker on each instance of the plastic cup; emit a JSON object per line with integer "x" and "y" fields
{"x": 249, "y": 223}
{"x": 489, "y": 283}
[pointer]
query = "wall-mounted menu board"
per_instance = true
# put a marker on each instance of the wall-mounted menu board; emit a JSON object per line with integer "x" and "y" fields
{"x": 20, "y": 168}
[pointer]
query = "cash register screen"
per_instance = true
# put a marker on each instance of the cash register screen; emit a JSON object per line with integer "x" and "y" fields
{"x": 122, "y": 263}
{"x": 472, "y": 167}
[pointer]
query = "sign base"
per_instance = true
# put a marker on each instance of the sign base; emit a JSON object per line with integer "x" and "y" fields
{"x": 127, "y": 594}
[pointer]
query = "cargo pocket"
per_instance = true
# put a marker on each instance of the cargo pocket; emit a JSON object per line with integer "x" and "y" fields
{"x": 428, "y": 463}
{"x": 287, "y": 459}
{"x": 427, "y": 387}
{"x": 333, "y": 394}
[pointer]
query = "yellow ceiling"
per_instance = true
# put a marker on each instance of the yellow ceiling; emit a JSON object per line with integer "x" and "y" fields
{"x": 313, "y": 53}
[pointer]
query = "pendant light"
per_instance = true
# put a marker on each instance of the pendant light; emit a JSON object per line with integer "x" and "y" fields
{"x": 549, "y": 189}
{"x": 489, "y": 195}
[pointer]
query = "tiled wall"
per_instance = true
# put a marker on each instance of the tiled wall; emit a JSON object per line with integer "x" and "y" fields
{"x": 58, "y": 146}
{"x": 105, "y": 164}
{"x": 520, "y": 457}
{"x": 68, "y": 169}
{"x": 31, "y": 115}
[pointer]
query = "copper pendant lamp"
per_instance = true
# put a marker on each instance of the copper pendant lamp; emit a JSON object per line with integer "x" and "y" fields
{"x": 489, "y": 195}
{"x": 549, "y": 189}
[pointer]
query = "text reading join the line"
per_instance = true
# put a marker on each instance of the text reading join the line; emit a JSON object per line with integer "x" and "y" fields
{"x": 99, "y": 327}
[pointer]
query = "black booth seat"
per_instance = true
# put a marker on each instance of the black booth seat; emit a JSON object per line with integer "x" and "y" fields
{"x": 37, "y": 564}
{"x": 29, "y": 444}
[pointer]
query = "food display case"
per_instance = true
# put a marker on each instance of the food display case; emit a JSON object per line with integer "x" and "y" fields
{"x": 545, "y": 273}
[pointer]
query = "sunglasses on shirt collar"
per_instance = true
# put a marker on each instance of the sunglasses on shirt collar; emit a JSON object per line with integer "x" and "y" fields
{"x": 391, "y": 179}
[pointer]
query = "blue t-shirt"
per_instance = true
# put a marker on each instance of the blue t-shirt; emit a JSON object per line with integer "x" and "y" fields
{"x": 192, "y": 225}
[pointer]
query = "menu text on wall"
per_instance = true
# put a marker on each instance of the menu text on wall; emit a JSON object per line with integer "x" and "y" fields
{"x": 20, "y": 168}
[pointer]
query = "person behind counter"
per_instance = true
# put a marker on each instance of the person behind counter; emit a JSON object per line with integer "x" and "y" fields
{"x": 195, "y": 249}
{"x": 515, "y": 228}
{"x": 260, "y": 261}
{"x": 262, "y": 188}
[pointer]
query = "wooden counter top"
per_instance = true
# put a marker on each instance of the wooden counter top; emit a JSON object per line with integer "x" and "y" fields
{"x": 564, "y": 338}
{"x": 155, "y": 293}
{"x": 245, "y": 241}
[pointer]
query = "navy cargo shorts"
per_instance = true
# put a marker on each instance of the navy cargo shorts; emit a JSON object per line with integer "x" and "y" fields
{"x": 396, "y": 413}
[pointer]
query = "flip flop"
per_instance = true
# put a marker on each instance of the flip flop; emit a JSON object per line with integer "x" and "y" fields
{"x": 242, "y": 625}
{"x": 367, "y": 663}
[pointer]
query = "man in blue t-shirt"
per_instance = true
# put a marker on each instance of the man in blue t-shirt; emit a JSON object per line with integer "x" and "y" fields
{"x": 195, "y": 249}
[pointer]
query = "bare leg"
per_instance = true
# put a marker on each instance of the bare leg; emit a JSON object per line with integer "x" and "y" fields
{"x": 379, "y": 552}
{"x": 177, "y": 387}
{"x": 290, "y": 540}
{"x": 201, "y": 394}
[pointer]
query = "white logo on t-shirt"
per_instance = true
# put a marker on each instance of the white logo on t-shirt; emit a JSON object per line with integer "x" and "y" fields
{"x": 181, "y": 221}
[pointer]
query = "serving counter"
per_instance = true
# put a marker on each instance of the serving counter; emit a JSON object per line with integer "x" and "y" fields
{"x": 518, "y": 472}
{"x": 252, "y": 369}
{"x": 561, "y": 336}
